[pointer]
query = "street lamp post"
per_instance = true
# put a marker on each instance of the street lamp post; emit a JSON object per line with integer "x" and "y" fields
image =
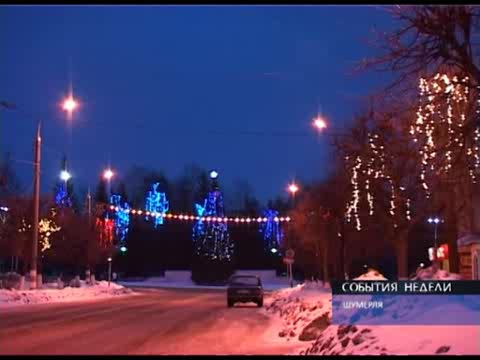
{"x": 292, "y": 189}
{"x": 109, "y": 270}
{"x": 36, "y": 208}
{"x": 435, "y": 221}
{"x": 107, "y": 175}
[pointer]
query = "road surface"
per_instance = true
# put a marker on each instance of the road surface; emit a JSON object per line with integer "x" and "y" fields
{"x": 151, "y": 322}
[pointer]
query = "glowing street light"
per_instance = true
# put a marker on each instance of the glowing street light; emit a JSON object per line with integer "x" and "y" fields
{"x": 70, "y": 104}
{"x": 108, "y": 174}
{"x": 319, "y": 123}
{"x": 65, "y": 175}
{"x": 293, "y": 188}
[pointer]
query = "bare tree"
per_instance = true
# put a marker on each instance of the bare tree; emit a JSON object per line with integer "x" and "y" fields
{"x": 427, "y": 39}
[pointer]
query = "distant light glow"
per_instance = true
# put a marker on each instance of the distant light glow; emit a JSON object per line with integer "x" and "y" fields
{"x": 213, "y": 174}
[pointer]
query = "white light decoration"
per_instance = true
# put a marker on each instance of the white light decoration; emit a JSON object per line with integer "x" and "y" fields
{"x": 352, "y": 207}
{"x": 374, "y": 168}
{"x": 439, "y": 128}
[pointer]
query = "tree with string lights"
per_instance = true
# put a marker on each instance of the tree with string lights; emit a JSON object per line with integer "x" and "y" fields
{"x": 211, "y": 240}
{"x": 64, "y": 195}
{"x": 382, "y": 164}
{"x": 434, "y": 56}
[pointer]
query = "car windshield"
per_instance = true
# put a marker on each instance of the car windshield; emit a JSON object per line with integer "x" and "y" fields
{"x": 245, "y": 281}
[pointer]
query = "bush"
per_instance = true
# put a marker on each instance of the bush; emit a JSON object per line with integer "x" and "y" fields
{"x": 75, "y": 283}
{"x": 10, "y": 281}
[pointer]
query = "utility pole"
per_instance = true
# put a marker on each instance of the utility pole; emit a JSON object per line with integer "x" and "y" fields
{"x": 36, "y": 208}
{"x": 89, "y": 207}
{"x": 89, "y": 213}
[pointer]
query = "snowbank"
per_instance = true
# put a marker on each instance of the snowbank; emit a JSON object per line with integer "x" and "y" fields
{"x": 429, "y": 274}
{"x": 371, "y": 274}
{"x": 302, "y": 315}
{"x": 49, "y": 294}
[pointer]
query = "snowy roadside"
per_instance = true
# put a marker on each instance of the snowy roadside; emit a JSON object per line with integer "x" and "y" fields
{"x": 302, "y": 315}
{"x": 10, "y": 298}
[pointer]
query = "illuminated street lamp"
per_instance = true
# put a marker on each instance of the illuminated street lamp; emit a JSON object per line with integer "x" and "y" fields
{"x": 69, "y": 105}
{"x": 293, "y": 188}
{"x": 108, "y": 175}
{"x": 319, "y": 123}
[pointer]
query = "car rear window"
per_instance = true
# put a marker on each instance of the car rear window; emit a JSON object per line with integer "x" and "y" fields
{"x": 244, "y": 281}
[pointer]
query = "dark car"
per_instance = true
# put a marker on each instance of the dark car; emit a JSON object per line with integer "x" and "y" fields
{"x": 244, "y": 288}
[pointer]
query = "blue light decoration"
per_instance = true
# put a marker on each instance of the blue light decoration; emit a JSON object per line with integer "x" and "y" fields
{"x": 156, "y": 202}
{"x": 62, "y": 198}
{"x": 271, "y": 231}
{"x": 211, "y": 239}
{"x": 121, "y": 219}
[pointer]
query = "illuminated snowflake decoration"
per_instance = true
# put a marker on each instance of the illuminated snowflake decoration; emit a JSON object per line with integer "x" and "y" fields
{"x": 271, "y": 231}
{"x": 121, "y": 218}
{"x": 156, "y": 204}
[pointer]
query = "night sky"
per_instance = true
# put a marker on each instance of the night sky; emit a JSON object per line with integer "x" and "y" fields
{"x": 164, "y": 87}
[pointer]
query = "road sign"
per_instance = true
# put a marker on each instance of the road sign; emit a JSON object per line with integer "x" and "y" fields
{"x": 288, "y": 261}
{"x": 290, "y": 253}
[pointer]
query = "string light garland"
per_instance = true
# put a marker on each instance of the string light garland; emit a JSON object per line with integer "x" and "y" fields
{"x": 46, "y": 227}
{"x": 439, "y": 128}
{"x": 352, "y": 207}
{"x": 371, "y": 167}
{"x": 190, "y": 217}
{"x": 105, "y": 228}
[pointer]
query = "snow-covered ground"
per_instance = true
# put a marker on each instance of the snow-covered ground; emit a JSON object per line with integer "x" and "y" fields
{"x": 302, "y": 315}
{"x": 50, "y": 293}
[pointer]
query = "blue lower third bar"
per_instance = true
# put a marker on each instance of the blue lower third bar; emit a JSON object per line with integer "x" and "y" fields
{"x": 406, "y": 309}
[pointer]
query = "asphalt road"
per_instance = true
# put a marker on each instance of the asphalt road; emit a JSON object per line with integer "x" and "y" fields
{"x": 151, "y": 322}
